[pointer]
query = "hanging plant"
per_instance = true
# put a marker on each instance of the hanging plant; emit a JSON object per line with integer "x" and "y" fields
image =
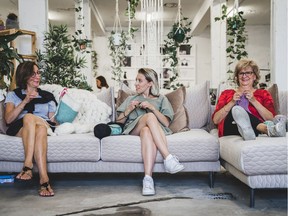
{"x": 117, "y": 45}
{"x": 179, "y": 34}
{"x": 236, "y": 37}
{"x": 117, "y": 53}
{"x": 94, "y": 58}
{"x": 80, "y": 42}
{"x": 130, "y": 12}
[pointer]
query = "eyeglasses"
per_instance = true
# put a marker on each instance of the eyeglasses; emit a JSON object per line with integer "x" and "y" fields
{"x": 36, "y": 73}
{"x": 247, "y": 73}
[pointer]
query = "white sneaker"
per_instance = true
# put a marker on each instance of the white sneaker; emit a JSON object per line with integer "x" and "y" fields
{"x": 243, "y": 122}
{"x": 278, "y": 130}
{"x": 172, "y": 164}
{"x": 148, "y": 186}
{"x": 279, "y": 118}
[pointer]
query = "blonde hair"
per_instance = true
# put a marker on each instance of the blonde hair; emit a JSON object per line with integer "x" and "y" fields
{"x": 151, "y": 76}
{"x": 244, "y": 63}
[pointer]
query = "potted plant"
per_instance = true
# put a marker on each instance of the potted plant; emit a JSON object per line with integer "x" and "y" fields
{"x": 7, "y": 56}
{"x": 59, "y": 63}
{"x": 178, "y": 35}
{"x": 117, "y": 53}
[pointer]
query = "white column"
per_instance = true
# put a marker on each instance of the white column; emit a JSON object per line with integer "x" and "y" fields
{"x": 33, "y": 16}
{"x": 218, "y": 45}
{"x": 279, "y": 45}
{"x": 86, "y": 32}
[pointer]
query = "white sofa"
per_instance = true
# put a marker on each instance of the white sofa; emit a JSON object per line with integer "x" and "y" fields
{"x": 196, "y": 148}
{"x": 260, "y": 163}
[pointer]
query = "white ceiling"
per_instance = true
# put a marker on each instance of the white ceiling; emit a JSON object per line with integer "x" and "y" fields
{"x": 257, "y": 12}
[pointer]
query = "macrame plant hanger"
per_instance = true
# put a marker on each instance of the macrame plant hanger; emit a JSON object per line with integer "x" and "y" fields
{"x": 235, "y": 11}
{"x": 151, "y": 33}
{"x": 130, "y": 41}
{"x": 117, "y": 29}
{"x": 179, "y": 34}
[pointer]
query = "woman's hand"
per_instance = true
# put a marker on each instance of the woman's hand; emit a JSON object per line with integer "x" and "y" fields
{"x": 133, "y": 104}
{"x": 236, "y": 96}
{"x": 30, "y": 96}
{"x": 146, "y": 105}
{"x": 249, "y": 95}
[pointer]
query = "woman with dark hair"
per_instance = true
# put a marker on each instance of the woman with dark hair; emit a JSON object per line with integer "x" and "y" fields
{"x": 101, "y": 82}
{"x": 247, "y": 111}
{"x": 29, "y": 113}
{"x": 148, "y": 115}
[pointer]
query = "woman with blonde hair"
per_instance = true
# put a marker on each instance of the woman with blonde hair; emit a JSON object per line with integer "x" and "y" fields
{"x": 247, "y": 111}
{"x": 148, "y": 115}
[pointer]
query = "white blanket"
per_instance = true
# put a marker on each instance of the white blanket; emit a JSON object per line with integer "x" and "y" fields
{"x": 92, "y": 112}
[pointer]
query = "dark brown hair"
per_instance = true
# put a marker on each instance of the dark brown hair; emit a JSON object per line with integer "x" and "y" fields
{"x": 102, "y": 81}
{"x": 24, "y": 71}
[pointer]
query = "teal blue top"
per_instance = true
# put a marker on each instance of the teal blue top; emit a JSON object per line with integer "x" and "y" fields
{"x": 160, "y": 103}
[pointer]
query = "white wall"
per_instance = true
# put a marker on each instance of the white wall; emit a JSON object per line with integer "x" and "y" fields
{"x": 258, "y": 47}
{"x": 203, "y": 56}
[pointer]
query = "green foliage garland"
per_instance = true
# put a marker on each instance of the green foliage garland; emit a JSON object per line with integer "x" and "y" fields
{"x": 236, "y": 36}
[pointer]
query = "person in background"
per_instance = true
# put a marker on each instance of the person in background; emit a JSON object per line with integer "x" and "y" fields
{"x": 29, "y": 112}
{"x": 148, "y": 115}
{"x": 247, "y": 111}
{"x": 101, "y": 82}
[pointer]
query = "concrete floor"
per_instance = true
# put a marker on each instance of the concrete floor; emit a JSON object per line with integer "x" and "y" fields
{"x": 120, "y": 195}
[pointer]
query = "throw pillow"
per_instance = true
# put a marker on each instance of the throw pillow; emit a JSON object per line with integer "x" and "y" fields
{"x": 122, "y": 95}
{"x": 3, "y": 126}
{"x": 180, "y": 121}
{"x": 107, "y": 96}
{"x": 67, "y": 109}
{"x": 176, "y": 98}
{"x": 198, "y": 105}
{"x": 274, "y": 93}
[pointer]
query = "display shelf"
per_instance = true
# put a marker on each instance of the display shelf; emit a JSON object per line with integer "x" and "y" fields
{"x": 186, "y": 68}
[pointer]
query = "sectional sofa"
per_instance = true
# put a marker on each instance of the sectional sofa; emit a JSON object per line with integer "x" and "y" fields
{"x": 260, "y": 163}
{"x": 82, "y": 152}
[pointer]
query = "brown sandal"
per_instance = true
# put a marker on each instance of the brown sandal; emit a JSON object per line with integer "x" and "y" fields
{"x": 25, "y": 171}
{"x": 46, "y": 187}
